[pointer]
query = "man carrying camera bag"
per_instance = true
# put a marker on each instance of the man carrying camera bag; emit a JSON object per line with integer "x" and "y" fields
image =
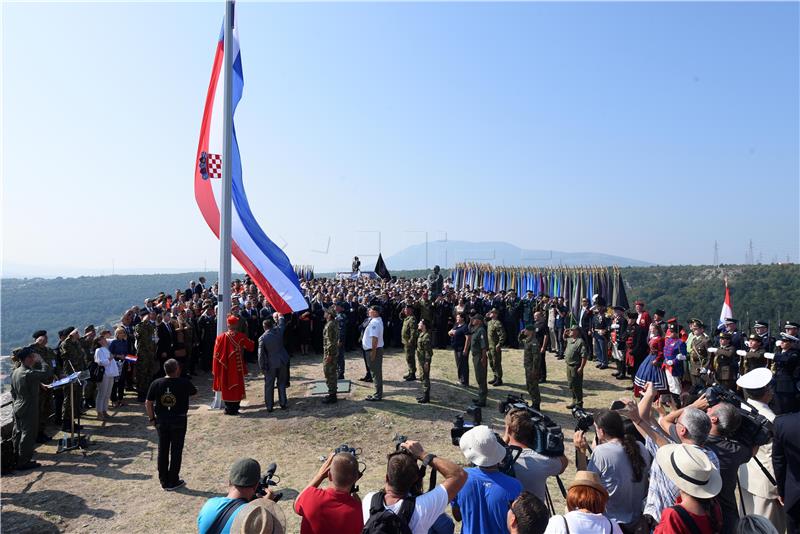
{"x": 399, "y": 506}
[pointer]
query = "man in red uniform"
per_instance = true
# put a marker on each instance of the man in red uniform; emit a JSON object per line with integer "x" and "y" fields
{"x": 229, "y": 367}
{"x": 643, "y": 318}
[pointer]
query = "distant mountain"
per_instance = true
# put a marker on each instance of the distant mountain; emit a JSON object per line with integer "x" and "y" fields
{"x": 448, "y": 253}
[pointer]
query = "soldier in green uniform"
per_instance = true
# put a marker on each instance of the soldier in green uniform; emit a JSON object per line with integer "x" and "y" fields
{"x": 575, "y": 356}
{"x": 531, "y": 353}
{"x": 725, "y": 361}
{"x": 497, "y": 337}
{"x": 46, "y": 394}
{"x": 755, "y": 356}
{"x": 87, "y": 343}
{"x": 330, "y": 348}
{"x": 26, "y": 381}
{"x": 425, "y": 355}
{"x": 146, "y": 363}
{"x": 698, "y": 354}
{"x": 408, "y": 335}
{"x": 425, "y": 308}
{"x": 478, "y": 347}
{"x": 73, "y": 358}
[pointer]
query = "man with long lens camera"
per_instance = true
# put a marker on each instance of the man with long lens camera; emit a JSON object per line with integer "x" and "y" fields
{"x": 401, "y": 501}
{"x": 336, "y": 508}
{"x": 219, "y": 513}
{"x": 531, "y": 468}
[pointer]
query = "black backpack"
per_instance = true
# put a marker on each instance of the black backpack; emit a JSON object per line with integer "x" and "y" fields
{"x": 384, "y": 521}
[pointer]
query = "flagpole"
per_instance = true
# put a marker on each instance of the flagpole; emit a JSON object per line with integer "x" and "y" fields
{"x": 224, "y": 284}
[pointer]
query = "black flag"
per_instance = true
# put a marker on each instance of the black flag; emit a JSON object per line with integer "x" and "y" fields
{"x": 380, "y": 268}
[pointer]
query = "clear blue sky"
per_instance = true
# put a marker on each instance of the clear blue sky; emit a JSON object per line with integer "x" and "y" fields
{"x": 648, "y": 130}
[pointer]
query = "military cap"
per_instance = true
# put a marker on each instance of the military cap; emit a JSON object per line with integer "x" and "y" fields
{"x": 331, "y": 311}
{"x": 530, "y": 327}
{"x": 24, "y": 352}
{"x": 672, "y": 320}
{"x": 375, "y": 307}
{"x": 245, "y": 472}
{"x": 754, "y": 337}
{"x": 619, "y": 308}
{"x": 39, "y": 333}
{"x": 674, "y": 327}
{"x": 340, "y": 304}
{"x": 144, "y": 311}
{"x": 662, "y": 313}
{"x": 638, "y": 303}
{"x": 69, "y": 330}
{"x": 792, "y": 324}
{"x": 699, "y": 324}
{"x": 632, "y": 315}
{"x": 494, "y": 310}
{"x": 88, "y": 329}
{"x": 694, "y": 320}
{"x": 725, "y": 335}
{"x": 731, "y": 320}
{"x": 761, "y": 324}
{"x": 478, "y": 316}
{"x": 788, "y": 337}
{"x": 755, "y": 379}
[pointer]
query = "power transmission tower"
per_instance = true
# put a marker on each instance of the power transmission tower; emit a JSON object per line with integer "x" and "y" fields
{"x": 750, "y": 256}
{"x": 716, "y": 253}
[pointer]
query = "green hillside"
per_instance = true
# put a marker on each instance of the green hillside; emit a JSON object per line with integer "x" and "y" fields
{"x": 766, "y": 292}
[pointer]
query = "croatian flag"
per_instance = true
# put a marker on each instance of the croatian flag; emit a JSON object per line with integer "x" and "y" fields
{"x": 267, "y": 265}
{"x": 727, "y": 310}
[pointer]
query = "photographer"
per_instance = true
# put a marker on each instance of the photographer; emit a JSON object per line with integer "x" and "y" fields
{"x": 334, "y": 509}
{"x": 218, "y": 513}
{"x": 622, "y": 463}
{"x": 401, "y": 495}
{"x": 758, "y": 489}
{"x": 531, "y": 468}
{"x": 725, "y": 420}
{"x": 482, "y": 504}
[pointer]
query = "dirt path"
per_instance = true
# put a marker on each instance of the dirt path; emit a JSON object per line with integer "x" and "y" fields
{"x": 113, "y": 488}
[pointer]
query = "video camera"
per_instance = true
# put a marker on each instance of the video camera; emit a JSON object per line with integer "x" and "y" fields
{"x": 460, "y": 427}
{"x": 355, "y": 452}
{"x": 583, "y": 419}
{"x": 548, "y": 437}
{"x": 755, "y": 429}
{"x": 268, "y": 480}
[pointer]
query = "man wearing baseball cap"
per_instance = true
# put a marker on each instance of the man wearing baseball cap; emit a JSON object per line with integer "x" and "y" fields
{"x": 482, "y": 504}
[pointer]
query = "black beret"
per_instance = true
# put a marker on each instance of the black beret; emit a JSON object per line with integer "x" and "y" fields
{"x": 39, "y": 333}
{"x": 24, "y": 352}
{"x": 662, "y": 313}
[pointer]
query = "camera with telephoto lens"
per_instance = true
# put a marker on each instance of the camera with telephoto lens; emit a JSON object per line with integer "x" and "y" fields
{"x": 548, "y": 438}
{"x": 583, "y": 419}
{"x": 460, "y": 426}
{"x": 355, "y": 452}
{"x": 269, "y": 480}
{"x": 344, "y": 447}
{"x": 755, "y": 429}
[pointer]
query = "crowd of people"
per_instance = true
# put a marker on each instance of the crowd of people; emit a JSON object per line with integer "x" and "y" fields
{"x": 665, "y": 461}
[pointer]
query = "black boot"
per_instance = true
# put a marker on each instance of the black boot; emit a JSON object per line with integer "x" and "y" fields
{"x": 424, "y": 398}
{"x": 330, "y": 399}
{"x": 410, "y": 377}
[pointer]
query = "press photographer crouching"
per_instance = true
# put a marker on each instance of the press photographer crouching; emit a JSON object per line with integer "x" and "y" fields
{"x": 248, "y": 508}
{"x": 482, "y": 504}
{"x": 622, "y": 464}
{"x": 531, "y": 467}
{"x": 336, "y": 508}
{"x": 401, "y": 505}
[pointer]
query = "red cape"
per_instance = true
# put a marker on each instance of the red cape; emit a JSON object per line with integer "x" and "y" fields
{"x": 229, "y": 367}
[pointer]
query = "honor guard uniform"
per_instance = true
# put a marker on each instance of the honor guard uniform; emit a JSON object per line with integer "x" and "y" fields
{"x": 755, "y": 355}
{"x": 725, "y": 361}
{"x": 787, "y": 375}
{"x": 497, "y": 337}
{"x": 767, "y": 341}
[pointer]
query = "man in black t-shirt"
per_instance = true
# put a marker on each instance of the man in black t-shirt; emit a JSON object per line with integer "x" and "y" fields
{"x": 167, "y": 404}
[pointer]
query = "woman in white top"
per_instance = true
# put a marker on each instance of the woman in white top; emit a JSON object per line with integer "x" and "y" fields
{"x": 586, "y": 503}
{"x": 103, "y": 357}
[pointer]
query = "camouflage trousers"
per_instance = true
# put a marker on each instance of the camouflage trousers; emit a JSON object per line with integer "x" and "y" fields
{"x": 145, "y": 370}
{"x": 531, "y": 364}
{"x": 575, "y": 382}
{"x": 331, "y": 370}
{"x": 496, "y": 362}
{"x": 480, "y": 377}
{"x": 410, "y": 361}
{"x": 425, "y": 369}
{"x": 45, "y": 407}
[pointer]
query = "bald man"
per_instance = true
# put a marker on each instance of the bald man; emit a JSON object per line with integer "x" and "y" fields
{"x": 333, "y": 509}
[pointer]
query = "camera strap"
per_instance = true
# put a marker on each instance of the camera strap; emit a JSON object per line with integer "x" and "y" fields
{"x": 224, "y": 515}
{"x": 766, "y": 473}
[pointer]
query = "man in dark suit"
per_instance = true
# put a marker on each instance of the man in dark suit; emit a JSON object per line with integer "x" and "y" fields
{"x": 786, "y": 463}
{"x": 274, "y": 360}
{"x": 166, "y": 335}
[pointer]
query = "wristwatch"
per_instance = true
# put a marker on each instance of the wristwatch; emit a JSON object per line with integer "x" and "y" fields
{"x": 428, "y": 459}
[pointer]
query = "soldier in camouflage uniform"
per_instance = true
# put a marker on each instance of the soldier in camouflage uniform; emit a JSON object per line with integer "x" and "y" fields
{"x": 87, "y": 342}
{"x": 531, "y": 353}
{"x": 497, "y": 337}
{"x": 408, "y": 335}
{"x": 73, "y": 358}
{"x": 478, "y": 347}
{"x": 575, "y": 356}
{"x": 45, "y": 394}
{"x": 330, "y": 350}
{"x": 146, "y": 363}
{"x": 425, "y": 355}
{"x": 755, "y": 356}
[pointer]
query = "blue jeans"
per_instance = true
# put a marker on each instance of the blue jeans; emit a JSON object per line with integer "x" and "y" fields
{"x": 443, "y": 525}
{"x": 600, "y": 349}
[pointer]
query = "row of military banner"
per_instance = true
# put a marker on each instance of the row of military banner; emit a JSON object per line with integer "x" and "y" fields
{"x": 571, "y": 283}
{"x": 304, "y": 272}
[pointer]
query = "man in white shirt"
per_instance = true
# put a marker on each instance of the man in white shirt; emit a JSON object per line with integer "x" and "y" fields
{"x": 759, "y": 491}
{"x": 372, "y": 343}
{"x": 402, "y": 476}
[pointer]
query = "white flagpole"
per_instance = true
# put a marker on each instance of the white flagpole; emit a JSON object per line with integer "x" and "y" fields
{"x": 224, "y": 288}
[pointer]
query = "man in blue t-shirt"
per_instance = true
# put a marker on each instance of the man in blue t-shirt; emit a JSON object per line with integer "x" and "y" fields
{"x": 482, "y": 504}
{"x": 217, "y": 514}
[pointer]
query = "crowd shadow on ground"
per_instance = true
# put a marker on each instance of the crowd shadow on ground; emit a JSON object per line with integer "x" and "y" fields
{"x": 51, "y": 503}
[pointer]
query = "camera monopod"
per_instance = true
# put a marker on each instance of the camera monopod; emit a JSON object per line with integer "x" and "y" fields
{"x": 549, "y": 499}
